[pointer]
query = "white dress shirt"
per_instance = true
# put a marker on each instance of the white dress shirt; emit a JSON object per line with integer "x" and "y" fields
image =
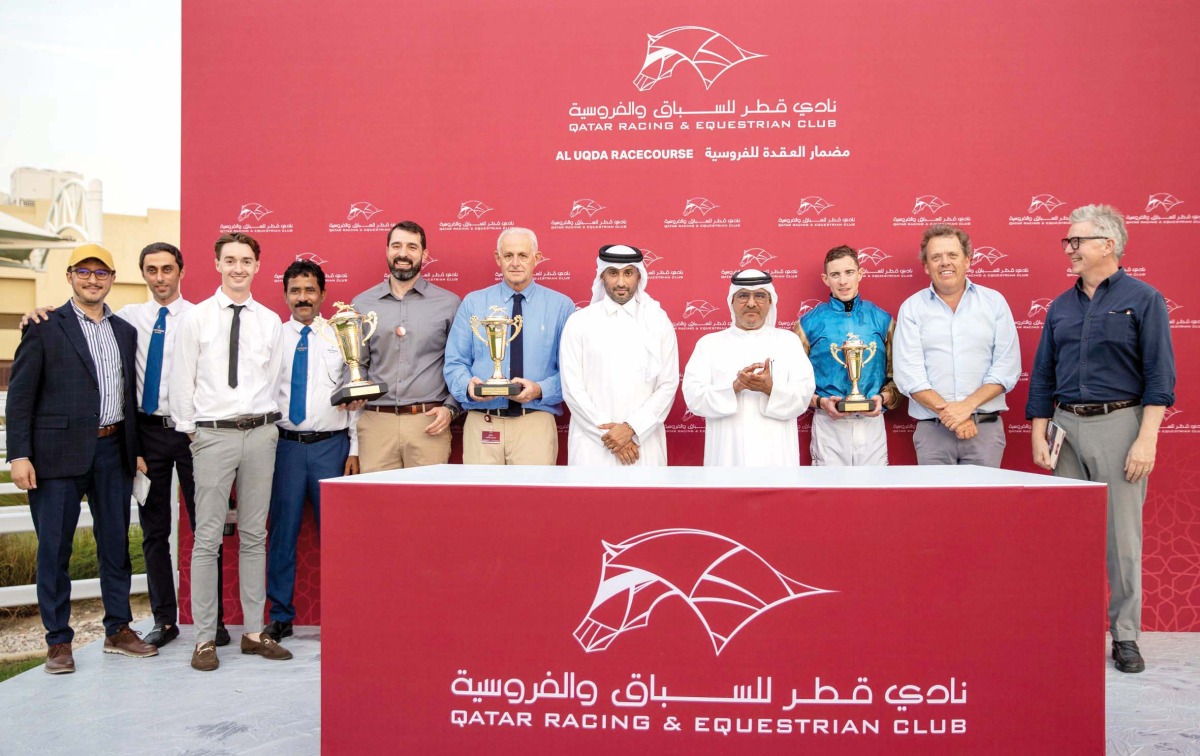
{"x": 200, "y": 376}
{"x": 617, "y": 368}
{"x": 954, "y": 352}
{"x": 327, "y": 372}
{"x": 143, "y": 316}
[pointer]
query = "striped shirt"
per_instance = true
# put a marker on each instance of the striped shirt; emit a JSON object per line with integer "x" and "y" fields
{"x": 106, "y": 355}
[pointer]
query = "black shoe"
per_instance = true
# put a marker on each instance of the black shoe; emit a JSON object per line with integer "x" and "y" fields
{"x": 161, "y": 635}
{"x": 278, "y": 630}
{"x": 222, "y": 635}
{"x": 1127, "y": 656}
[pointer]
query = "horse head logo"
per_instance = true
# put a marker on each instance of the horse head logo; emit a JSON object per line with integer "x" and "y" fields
{"x": 709, "y": 53}
{"x": 726, "y": 584}
{"x": 813, "y": 204}
{"x": 990, "y": 255}
{"x": 701, "y": 205}
{"x": 252, "y": 210}
{"x": 362, "y": 210}
{"x": 472, "y": 207}
{"x": 928, "y": 203}
{"x": 589, "y": 206}
{"x": 1047, "y": 203}
{"x": 1162, "y": 201}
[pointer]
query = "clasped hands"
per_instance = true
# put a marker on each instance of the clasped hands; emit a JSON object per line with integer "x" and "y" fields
{"x": 619, "y": 441}
{"x": 956, "y": 416}
{"x": 755, "y": 377}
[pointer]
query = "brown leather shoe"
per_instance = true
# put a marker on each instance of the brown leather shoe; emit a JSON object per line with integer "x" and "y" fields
{"x": 204, "y": 658}
{"x": 266, "y": 648}
{"x": 128, "y": 643}
{"x": 59, "y": 660}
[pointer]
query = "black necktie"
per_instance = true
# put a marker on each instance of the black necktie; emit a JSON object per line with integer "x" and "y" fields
{"x": 516, "y": 351}
{"x": 234, "y": 331}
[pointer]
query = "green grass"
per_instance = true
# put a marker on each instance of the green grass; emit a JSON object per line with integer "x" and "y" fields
{"x": 13, "y": 668}
{"x": 18, "y": 556}
{"x": 11, "y": 499}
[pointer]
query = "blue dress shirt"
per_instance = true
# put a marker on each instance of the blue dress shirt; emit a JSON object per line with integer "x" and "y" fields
{"x": 544, "y": 313}
{"x": 954, "y": 352}
{"x": 1113, "y": 347}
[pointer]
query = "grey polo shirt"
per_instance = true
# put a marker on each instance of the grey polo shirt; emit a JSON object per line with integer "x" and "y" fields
{"x": 411, "y": 365}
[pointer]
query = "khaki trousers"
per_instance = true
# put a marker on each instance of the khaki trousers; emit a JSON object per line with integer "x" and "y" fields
{"x": 531, "y": 439}
{"x": 391, "y": 442}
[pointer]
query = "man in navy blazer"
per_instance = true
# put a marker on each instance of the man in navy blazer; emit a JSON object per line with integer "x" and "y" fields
{"x": 72, "y": 431}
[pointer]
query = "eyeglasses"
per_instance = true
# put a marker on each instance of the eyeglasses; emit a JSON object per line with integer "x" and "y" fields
{"x": 742, "y": 297}
{"x": 1075, "y": 241}
{"x": 99, "y": 273}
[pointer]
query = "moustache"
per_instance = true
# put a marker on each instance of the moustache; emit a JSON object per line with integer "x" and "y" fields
{"x": 304, "y": 303}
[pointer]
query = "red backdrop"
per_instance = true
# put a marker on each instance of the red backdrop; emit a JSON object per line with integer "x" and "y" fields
{"x": 316, "y": 126}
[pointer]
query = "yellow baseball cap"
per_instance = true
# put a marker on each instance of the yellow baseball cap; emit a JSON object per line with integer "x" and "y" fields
{"x": 91, "y": 252}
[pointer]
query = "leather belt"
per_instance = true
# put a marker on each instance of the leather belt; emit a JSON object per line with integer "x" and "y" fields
{"x": 308, "y": 437}
{"x": 243, "y": 423}
{"x": 978, "y": 417}
{"x": 158, "y": 421}
{"x": 507, "y": 412}
{"x": 404, "y": 409}
{"x": 107, "y": 430}
{"x": 1091, "y": 410}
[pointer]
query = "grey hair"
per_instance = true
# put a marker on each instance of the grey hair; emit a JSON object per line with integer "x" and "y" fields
{"x": 1106, "y": 221}
{"x": 517, "y": 231}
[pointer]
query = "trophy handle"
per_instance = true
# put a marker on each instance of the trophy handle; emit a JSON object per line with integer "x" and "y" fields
{"x": 833, "y": 349}
{"x": 475, "y": 328}
{"x": 371, "y": 319}
{"x": 517, "y": 323}
{"x": 323, "y": 331}
{"x": 871, "y": 356}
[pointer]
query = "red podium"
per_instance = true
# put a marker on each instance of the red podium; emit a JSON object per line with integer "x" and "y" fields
{"x": 712, "y": 610}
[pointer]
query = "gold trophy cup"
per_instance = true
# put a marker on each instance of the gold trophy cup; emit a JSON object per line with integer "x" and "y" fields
{"x": 853, "y": 348}
{"x": 347, "y": 326}
{"x": 496, "y": 326}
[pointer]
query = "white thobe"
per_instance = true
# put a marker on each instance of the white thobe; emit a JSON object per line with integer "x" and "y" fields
{"x": 749, "y": 428}
{"x": 617, "y": 367}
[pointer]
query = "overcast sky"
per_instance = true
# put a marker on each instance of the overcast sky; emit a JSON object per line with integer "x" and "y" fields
{"x": 94, "y": 88}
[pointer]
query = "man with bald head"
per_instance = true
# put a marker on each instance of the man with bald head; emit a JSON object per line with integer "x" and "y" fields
{"x": 750, "y": 382}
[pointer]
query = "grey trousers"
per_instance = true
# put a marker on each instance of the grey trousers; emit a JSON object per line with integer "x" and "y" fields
{"x": 1095, "y": 450}
{"x": 938, "y": 446}
{"x": 219, "y": 456}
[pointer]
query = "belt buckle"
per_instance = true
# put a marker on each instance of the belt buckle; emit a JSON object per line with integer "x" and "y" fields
{"x": 244, "y": 423}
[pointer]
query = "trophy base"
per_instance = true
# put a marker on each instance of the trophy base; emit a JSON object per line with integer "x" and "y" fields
{"x": 855, "y": 405}
{"x": 497, "y": 389}
{"x": 348, "y": 394}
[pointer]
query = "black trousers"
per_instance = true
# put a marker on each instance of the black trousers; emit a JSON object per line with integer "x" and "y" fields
{"x": 164, "y": 449}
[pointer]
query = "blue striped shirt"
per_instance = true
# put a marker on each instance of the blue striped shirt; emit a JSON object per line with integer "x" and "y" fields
{"x": 106, "y": 355}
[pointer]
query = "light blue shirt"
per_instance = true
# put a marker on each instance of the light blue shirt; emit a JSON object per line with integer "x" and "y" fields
{"x": 544, "y": 312}
{"x": 954, "y": 352}
{"x": 106, "y": 355}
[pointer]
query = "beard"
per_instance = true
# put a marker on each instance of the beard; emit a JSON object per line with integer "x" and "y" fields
{"x": 406, "y": 275}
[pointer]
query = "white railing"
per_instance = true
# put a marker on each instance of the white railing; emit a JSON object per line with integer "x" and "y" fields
{"x": 17, "y": 519}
